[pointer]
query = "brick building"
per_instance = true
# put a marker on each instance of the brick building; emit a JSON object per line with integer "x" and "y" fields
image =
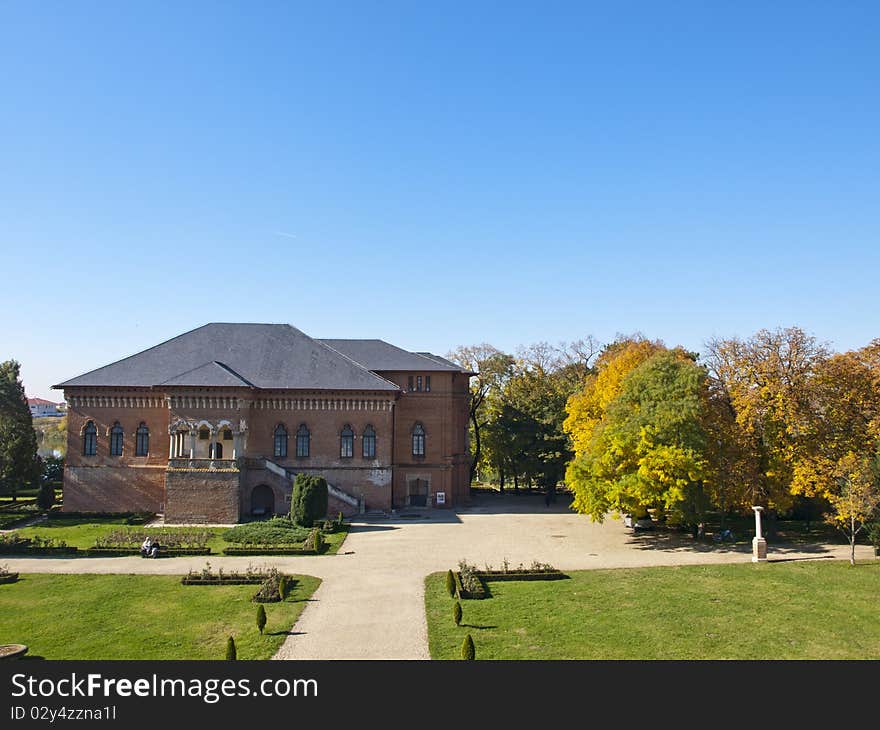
{"x": 213, "y": 425}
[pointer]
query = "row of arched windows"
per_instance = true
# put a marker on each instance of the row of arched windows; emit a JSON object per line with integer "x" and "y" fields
{"x": 346, "y": 441}
{"x": 117, "y": 439}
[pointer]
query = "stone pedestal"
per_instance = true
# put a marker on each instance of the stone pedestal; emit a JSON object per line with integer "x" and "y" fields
{"x": 759, "y": 550}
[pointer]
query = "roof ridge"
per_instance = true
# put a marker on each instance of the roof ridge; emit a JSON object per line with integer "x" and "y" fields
{"x": 356, "y": 363}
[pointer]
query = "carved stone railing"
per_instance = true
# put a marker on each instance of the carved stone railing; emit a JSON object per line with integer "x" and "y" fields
{"x": 203, "y": 464}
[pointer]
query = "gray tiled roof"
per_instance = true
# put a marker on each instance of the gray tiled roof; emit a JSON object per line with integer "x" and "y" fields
{"x": 220, "y": 354}
{"x": 381, "y": 356}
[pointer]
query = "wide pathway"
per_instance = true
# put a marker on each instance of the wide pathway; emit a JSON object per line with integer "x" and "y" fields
{"x": 370, "y": 604}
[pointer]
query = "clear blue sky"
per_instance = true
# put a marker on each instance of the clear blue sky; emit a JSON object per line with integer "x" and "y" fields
{"x": 435, "y": 174}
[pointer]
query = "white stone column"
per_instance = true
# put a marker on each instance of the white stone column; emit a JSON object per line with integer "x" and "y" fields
{"x": 759, "y": 544}
{"x": 236, "y": 445}
{"x": 192, "y": 444}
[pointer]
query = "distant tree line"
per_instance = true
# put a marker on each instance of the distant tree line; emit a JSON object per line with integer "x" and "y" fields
{"x": 777, "y": 420}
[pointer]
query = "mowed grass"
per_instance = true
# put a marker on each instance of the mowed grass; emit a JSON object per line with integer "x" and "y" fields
{"x": 796, "y": 610}
{"x": 82, "y": 532}
{"x": 141, "y": 617}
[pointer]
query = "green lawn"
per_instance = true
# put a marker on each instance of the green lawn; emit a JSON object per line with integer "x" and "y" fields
{"x": 82, "y": 532}
{"x": 141, "y": 617}
{"x": 797, "y": 610}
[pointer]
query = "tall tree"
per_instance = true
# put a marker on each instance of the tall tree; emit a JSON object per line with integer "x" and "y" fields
{"x": 650, "y": 446}
{"x": 767, "y": 379}
{"x": 493, "y": 369}
{"x": 840, "y": 465}
{"x": 19, "y": 466}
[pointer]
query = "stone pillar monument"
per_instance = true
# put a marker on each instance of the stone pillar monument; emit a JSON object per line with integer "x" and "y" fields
{"x": 759, "y": 544}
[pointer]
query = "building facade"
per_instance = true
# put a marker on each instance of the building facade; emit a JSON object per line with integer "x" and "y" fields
{"x": 213, "y": 426}
{"x": 42, "y": 408}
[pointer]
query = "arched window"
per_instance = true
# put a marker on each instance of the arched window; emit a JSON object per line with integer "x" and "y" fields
{"x": 142, "y": 440}
{"x": 303, "y": 439}
{"x": 280, "y": 441}
{"x": 90, "y": 439}
{"x": 369, "y": 439}
{"x": 418, "y": 440}
{"x": 346, "y": 442}
{"x": 116, "y": 440}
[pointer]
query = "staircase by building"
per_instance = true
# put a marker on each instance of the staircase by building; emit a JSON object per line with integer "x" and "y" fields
{"x": 338, "y": 500}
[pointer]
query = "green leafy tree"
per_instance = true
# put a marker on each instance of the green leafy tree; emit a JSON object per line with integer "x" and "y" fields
{"x": 261, "y": 617}
{"x": 46, "y": 497}
{"x": 19, "y": 466}
{"x": 650, "y": 446}
{"x": 456, "y": 613}
{"x": 230, "y": 649}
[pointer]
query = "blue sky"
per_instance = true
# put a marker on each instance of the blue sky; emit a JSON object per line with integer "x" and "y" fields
{"x": 435, "y": 174}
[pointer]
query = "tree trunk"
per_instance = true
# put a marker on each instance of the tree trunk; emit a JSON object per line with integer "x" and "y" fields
{"x": 852, "y": 541}
{"x": 501, "y": 479}
{"x": 476, "y": 459}
{"x": 515, "y": 482}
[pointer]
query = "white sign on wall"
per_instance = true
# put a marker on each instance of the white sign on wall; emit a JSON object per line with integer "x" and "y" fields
{"x": 441, "y": 497}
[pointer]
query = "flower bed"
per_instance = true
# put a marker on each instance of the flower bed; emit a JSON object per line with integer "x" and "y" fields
{"x": 6, "y": 576}
{"x": 171, "y": 539}
{"x": 110, "y": 552}
{"x": 15, "y": 545}
{"x": 471, "y": 583}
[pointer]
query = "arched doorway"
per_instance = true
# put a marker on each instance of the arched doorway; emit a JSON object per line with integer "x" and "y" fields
{"x": 218, "y": 450}
{"x": 262, "y": 501}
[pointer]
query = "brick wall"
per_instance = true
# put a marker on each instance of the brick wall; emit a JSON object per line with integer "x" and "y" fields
{"x": 111, "y": 489}
{"x": 202, "y": 497}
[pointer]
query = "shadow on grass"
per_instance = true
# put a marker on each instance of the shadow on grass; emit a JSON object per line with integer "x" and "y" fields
{"x": 285, "y": 633}
{"x": 479, "y": 627}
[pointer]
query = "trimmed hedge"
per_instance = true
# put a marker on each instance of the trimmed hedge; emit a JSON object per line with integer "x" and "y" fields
{"x": 23, "y": 549}
{"x": 268, "y": 550}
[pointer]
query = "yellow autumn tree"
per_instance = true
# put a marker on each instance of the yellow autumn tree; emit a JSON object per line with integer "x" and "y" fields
{"x": 585, "y": 409}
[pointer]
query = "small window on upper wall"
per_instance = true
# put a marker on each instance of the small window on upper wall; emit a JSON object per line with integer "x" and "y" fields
{"x": 303, "y": 441}
{"x": 427, "y": 383}
{"x": 227, "y": 434}
{"x": 418, "y": 440}
{"x": 280, "y": 445}
{"x": 116, "y": 440}
{"x": 369, "y": 443}
{"x": 142, "y": 441}
{"x": 409, "y": 386}
{"x": 346, "y": 442}
{"x": 204, "y": 434}
{"x": 90, "y": 439}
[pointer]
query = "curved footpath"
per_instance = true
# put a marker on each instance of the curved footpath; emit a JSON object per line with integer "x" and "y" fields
{"x": 370, "y": 604}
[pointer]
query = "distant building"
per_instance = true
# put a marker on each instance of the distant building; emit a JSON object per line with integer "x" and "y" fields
{"x": 214, "y": 425}
{"x": 41, "y": 408}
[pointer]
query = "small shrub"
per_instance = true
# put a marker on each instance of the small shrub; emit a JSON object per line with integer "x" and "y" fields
{"x": 339, "y": 519}
{"x": 456, "y": 613}
{"x": 315, "y": 541}
{"x": 261, "y": 618}
{"x": 470, "y": 581}
{"x": 230, "y": 648}
{"x": 450, "y": 583}
{"x": 283, "y": 587}
{"x": 46, "y": 496}
{"x": 468, "y": 651}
